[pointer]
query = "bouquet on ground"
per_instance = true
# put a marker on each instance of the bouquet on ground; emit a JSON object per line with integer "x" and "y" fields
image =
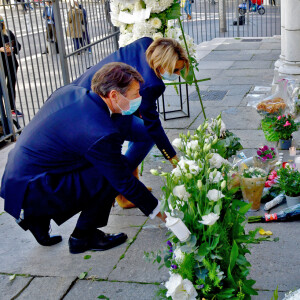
{"x": 252, "y": 181}
{"x": 266, "y": 158}
{"x": 209, "y": 260}
{"x": 285, "y": 125}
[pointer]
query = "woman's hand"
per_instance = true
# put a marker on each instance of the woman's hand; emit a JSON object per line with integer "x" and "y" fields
{"x": 162, "y": 216}
{"x": 171, "y": 160}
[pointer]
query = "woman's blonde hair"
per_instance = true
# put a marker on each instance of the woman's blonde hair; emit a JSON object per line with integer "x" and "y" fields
{"x": 4, "y": 27}
{"x": 165, "y": 53}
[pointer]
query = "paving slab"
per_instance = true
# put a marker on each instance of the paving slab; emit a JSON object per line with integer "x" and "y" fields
{"x": 215, "y": 64}
{"x": 229, "y": 45}
{"x": 233, "y": 117}
{"x": 220, "y": 56}
{"x": 245, "y": 65}
{"x": 11, "y": 288}
{"x": 251, "y": 138}
{"x": 250, "y": 72}
{"x": 88, "y": 289}
{"x": 47, "y": 288}
{"x": 231, "y": 101}
{"x": 264, "y": 57}
{"x": 267, "y": 295}
{"x": 276, "y": 263}
{"x": 21, "y": 254}
{"x": 272, "y": 46}
{"x": 133, "y": 267}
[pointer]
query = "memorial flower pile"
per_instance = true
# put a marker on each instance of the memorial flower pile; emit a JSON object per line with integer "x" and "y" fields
{"x": 211, "y": 263}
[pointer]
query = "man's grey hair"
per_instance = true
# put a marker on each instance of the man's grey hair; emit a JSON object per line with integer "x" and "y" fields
{"x": 114, "y": 76}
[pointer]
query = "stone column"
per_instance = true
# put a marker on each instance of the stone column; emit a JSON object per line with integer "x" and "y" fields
{"x": 291, "y": 41}
{"x": 281, "y": 59}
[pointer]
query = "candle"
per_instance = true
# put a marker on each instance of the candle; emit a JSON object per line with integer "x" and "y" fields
{"x": 292, "y": 151}
{"x": 297, "y": 162}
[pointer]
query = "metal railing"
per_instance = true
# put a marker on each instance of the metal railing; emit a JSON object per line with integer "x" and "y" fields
{"x": 49, "y": 57}
{"x": 33, "y": 76}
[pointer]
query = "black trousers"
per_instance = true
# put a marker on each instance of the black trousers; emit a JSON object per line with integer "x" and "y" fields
{"x": 61, "y": 196}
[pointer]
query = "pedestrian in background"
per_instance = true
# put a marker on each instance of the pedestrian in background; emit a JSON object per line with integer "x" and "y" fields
{"x": 188, "y": 8}
{"x": 48, "y": 15}
{"x": 75, "y": 25}
{"x": 9, "y": 47}
{"x": 85, "y": 33}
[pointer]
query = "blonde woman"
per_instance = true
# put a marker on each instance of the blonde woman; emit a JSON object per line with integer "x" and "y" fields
{"x": 9, "y": 47}
{"x": 154, "y": 60}
{"x": 75, "y": 25}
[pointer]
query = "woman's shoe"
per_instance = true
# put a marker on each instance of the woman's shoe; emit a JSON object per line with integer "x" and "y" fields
{"x": 122, "y": 201}
{"x": 189, "y": 17}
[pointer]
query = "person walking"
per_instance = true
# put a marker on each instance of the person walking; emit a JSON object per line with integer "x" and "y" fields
{"x": 75, "y": 25}
{"x": 188, "y": 9}
{"x": 48, "y": 15}
{"x": 68, "y": 159}
{"x": 154, "y": 60}
{"x": 85, "y": 33}
{"x": 9, "y": 47}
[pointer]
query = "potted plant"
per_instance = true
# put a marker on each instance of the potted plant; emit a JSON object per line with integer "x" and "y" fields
{"x": 285, "y": 125}
{"x": 252, "y": 182}
{"x": 266, "y": 158}
{"x": 289, "y": 183}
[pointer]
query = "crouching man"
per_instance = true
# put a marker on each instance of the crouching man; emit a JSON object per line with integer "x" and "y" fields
{"x": 68, "y": 160}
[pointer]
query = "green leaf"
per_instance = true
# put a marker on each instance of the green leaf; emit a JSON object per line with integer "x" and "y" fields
{"x": 226, "y": 294}
{"x": 174, "y": 12}
{"x": 87, "y": 257}
{"x": 233, "y": 255}
{"x": 103, "y": 297}
{"x": 158, "y": 259}
{"x": 245, "y": 208}
{"x": 275, "y": 295}
{"x": 248, "y": 289}
{"x": 82, "y": 275}
{"x": 203, "y": 250}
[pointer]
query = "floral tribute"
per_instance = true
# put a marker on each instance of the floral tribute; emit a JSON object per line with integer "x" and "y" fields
{"x": 211, "y": 263}
{"x": 148, "y": 18}
{"x": 265, "y": 153}
{"x": 285, "y": 125}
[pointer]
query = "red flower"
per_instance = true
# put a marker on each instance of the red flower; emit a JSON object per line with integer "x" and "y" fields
{"x": 287, "y": 123}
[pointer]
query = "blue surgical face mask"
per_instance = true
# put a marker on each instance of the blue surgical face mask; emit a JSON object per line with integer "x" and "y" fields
{"x": 168, "y": 76}
{"x": 133, "y": 106}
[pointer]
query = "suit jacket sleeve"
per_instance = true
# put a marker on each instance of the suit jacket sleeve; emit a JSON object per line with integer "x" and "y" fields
{"x": 148, "y": 110}
{"x": 105, "y": 155}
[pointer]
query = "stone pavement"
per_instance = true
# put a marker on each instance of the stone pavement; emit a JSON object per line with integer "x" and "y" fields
{"x": 236, "y": 67}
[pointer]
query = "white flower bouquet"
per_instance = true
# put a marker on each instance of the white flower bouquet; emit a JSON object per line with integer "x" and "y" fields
{"x": 209, "y": 262}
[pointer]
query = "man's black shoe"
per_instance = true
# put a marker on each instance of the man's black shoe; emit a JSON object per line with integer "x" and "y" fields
{"x": 98, "y": 241}
{"x": 40, "y": 231}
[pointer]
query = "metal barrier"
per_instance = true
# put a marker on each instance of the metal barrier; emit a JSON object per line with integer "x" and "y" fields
{"x": 82, "y": 34}
{"x": 212, "y": 19}
{"x": 49, "y": 56}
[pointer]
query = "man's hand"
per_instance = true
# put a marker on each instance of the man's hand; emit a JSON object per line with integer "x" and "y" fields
{"x": 162, "y": 217}
{"x": 172, "y": 162}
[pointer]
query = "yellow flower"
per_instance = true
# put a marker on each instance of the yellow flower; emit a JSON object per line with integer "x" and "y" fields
{"x": 263, "y": 232}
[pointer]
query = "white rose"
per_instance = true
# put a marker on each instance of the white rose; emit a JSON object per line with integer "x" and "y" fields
{"x": 178, "y": 255}
{"x": 157, "y": 35}
{"x": 214, "y": 195}
{"x": 217, "y": 178}
{"x": 190, "y": 164}
{"x": 180, "y": 289}
{"x": 155, "y": 23}
{"x": 209, "y": 219}
{"x": 177, "y": 143}
{"x": 216, "y": 161}
{"x": 193, "y": 145}
{"x": 180, "y": 192}
{"x": 176, "y": 172}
